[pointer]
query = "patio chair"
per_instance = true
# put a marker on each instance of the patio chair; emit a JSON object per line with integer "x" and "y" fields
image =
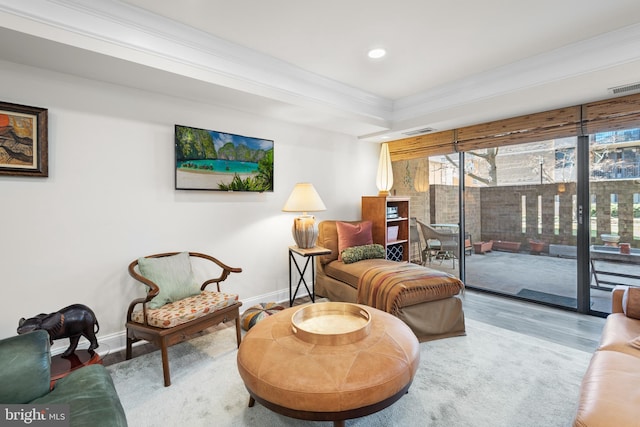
{"x": 414, "y": 238}
{"x": 468, "y": 244}
{"x": 439, "y": 243}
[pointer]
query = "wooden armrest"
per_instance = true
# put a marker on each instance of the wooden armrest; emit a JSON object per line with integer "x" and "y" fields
{"x": 154, "y": 289}
{"x": 152, "y": 292}
{"x": 132, "y": 306}
{"x": 226, "y": 270}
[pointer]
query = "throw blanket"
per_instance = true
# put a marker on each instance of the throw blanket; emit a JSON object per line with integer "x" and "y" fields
{"x": 390, "y": 288}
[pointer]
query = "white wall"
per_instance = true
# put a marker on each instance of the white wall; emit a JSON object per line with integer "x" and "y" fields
{"x": 110, "y": 198}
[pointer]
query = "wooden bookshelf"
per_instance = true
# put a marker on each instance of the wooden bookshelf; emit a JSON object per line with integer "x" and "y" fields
{"x": 385, "y": 212}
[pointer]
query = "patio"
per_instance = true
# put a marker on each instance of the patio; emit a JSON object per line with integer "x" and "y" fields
{"x": 539, "y": 277}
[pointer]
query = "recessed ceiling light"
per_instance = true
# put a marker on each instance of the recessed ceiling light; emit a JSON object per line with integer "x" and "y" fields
{"x": 377, "y": 53}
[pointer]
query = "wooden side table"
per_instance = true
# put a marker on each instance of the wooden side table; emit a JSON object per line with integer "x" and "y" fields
{"x": 309, "y": 255}
{"x": 63, "y": 366}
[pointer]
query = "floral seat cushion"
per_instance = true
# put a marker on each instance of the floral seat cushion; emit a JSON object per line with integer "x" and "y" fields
{"x": 186, "y": 310}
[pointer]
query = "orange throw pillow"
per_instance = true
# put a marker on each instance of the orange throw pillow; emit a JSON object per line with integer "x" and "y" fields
{"x": 350, "y": 235}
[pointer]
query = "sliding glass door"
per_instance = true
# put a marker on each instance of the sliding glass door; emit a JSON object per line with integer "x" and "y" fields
{"x": 432, "y": 183}
{"x": 442, "y": 228}
{"x": 543, "y": 207}
{"x": 614, "y": 211}
{"x": 520, "y": 215}
{"x": 521, "y": 218}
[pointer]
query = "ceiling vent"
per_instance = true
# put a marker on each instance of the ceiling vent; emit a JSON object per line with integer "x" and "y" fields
{"x": 421, "y": 131}
{"x": 633, "y": 87}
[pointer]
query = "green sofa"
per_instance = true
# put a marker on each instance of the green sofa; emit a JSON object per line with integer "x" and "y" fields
{"x": 25, "y": 376}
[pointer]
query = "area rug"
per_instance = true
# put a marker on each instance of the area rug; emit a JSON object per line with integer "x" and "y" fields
{"x": 491, "y": 377}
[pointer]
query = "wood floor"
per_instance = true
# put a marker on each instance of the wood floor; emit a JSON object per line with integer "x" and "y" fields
{"x": 574, "y": 330}
{"x": 579, "y": 331}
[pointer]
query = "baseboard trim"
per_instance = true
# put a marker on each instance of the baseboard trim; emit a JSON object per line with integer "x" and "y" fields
{"x": 117, "y": 341}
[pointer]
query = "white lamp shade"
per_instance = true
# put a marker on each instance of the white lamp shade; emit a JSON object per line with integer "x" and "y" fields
{"x": 304, "y": 198}
{"x": 384, "y": 178}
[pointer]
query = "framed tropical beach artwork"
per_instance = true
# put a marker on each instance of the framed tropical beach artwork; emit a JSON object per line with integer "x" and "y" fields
{"x": 211, "y": 160}
{"x": 23, "y": 140}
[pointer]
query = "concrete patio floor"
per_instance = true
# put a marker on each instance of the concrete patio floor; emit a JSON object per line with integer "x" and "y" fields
{"x": 529, "y": 276}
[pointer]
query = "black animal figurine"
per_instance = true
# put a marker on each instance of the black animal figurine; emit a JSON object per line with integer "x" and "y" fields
{"x": 70, "y": 322}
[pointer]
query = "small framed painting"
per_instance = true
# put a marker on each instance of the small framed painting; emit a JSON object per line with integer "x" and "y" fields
{"x": 23, "y": 140}
{"x": 212, "y": 160}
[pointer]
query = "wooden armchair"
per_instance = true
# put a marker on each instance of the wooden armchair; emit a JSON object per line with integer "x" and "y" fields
{"x": 166, "y": 324}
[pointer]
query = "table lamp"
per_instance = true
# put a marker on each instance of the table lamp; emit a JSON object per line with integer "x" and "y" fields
{"x": 304, "y": 198}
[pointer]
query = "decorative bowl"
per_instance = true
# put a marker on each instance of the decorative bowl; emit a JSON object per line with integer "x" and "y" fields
{"x": 331, "y": 323}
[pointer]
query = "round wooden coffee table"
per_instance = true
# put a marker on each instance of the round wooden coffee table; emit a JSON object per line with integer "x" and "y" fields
{"x": 328, "y": 382}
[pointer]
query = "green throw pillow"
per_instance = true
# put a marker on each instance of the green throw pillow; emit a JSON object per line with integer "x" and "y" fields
{"x": 173, "y": 275}
{"x": 358, "y": 253}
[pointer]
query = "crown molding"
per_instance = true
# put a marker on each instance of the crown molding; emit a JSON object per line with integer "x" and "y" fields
{"x": 122, "y": 31}
{"x": 587, "y": 56}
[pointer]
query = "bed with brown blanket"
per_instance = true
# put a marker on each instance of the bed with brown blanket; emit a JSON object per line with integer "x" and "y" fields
{"x": 425, "y": 299}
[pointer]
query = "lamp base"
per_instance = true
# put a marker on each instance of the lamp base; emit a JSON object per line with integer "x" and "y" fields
{"x": 383, "y": 193}
{"x": 304, "y": 231}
